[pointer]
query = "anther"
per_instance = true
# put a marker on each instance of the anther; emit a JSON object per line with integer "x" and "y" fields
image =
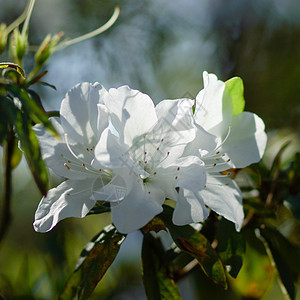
{"x": 69, "y": 161}
{"x": 162, "y": 140}
{"x": 68, "y": 194}
{"x": 228, "y": 160}
{"x": 62, "y": 155}
{"x": 149, "y": 193}
{"x": 66, "y": 166}
{"x": 157, "y": 148}
{"x": 87, "y": 149}
{"x": 154, "y": 173}
{"x": 178, "y": 169}
{"x": 145, "y": 162}
{"x": 214, "y": 165}
{"x": 100, "y": 170}
{"x": 83, "y": 165}
{"x": 176, "y": 177}
{"x": 217, "y": 152}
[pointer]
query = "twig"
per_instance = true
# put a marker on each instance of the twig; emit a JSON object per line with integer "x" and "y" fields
{"x": 6, "y": 213}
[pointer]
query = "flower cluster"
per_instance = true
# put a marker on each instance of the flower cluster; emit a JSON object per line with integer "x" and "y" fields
{"x": 116, "y": 146}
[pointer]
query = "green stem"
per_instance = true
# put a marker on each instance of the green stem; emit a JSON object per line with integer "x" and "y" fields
{"x": 91, "y": 34}
{"x": 28, "y": 16}
{"x": 6, "y": 211}
{"x": 19, "y": 20}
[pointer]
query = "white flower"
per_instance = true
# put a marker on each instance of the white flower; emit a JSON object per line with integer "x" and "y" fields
{"x": 224, "y": 140}
{"x": 83, "y": 118}
{"x": 143, "y": 146}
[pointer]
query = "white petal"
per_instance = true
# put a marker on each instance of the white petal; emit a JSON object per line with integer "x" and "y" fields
{"x": 203, "y": 141}
{"x": 79, "y": 112}
{"x": 189, "y": 208}
{"x": 139, "y": 207}
{"x": 191, "y": 173}
{"x": 176, "y": 115}
{"x": 174, "y": 130}
{"x": 113, "y": 191}
{"x": 55, "y": 152}
{"x": 110, "y": 153}
{"x": 214, "y": 106}
{"x": 132, "y": 112}
{"x": 70, "y": 199}
{"x": 224, "y": 197}
{"x": 247, "y": 140}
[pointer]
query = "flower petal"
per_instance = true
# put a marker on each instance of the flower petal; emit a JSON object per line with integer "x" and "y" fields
{"x": 247, "y": 140}
{"x": 110, "y": 153}
{"x": 191, "y": 173}
{"x": 70, "y": 199}
{"x": 203, "y": 141}
{"x": 132, "y": 112}
{"x": 224, "y": 197}
{"x": 79, "y": 112}
{"x": 189, "y": 208}
{"x": 141, "y": 205}
{"x": 214, "y": 106}
{"x": 55, "y": 152}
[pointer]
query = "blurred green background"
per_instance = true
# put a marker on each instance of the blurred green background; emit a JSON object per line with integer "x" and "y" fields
{"x": 160, "y": 48}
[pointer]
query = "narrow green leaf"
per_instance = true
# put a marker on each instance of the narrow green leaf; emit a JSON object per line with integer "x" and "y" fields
{"x": 236, "y": 91}
{"x": 197, "y": 245}
{"x": 14, "y": 66}
{"x": 156, "y": 275}
{"x": 31, "y": 149}
{"x": 286, "y": 257}
{"x": 231, "y": 246}
{"x": 7, "y": 116}
{"x": 17, "y": 155}
{"x": 276, "y": 162}
{"x": 93, "y": 263}
{"x": 33, "y": 106}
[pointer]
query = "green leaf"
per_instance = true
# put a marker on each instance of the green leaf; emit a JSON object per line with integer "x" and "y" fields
{"x": 236, "y": 91}
{"x": 10, "y": 65}
{"x": 93, "y": 263}
{"x": 231, "y": 246}
{"x": 17, "y": 155}
{"x": 156, "y": 275}
{"x": 31, "y": 149}
{"x": 7, "y": 116}
{"x": 31, "y": 104}
{"x": 274, "y": 172}
{"x": 197, "y": 245}
{"x": 286, "y": 257}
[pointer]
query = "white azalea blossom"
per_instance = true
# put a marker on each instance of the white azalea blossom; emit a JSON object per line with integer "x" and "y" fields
{"x": 83, "y": 118}
{"x": 146, "y": 153}
{"x": 224, "y": 141}
{"x": 116, "y": 146}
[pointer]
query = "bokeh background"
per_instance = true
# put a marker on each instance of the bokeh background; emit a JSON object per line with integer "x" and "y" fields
{"x": 161, "y": 48}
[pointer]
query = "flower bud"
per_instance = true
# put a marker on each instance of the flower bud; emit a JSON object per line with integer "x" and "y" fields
{"x": 18, "y": 46}
{"x": 47, "y": 48}
{"x": 3, "y": 37}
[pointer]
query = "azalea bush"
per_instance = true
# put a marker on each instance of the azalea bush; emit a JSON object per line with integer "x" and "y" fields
{"x": 186, "y": 173}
